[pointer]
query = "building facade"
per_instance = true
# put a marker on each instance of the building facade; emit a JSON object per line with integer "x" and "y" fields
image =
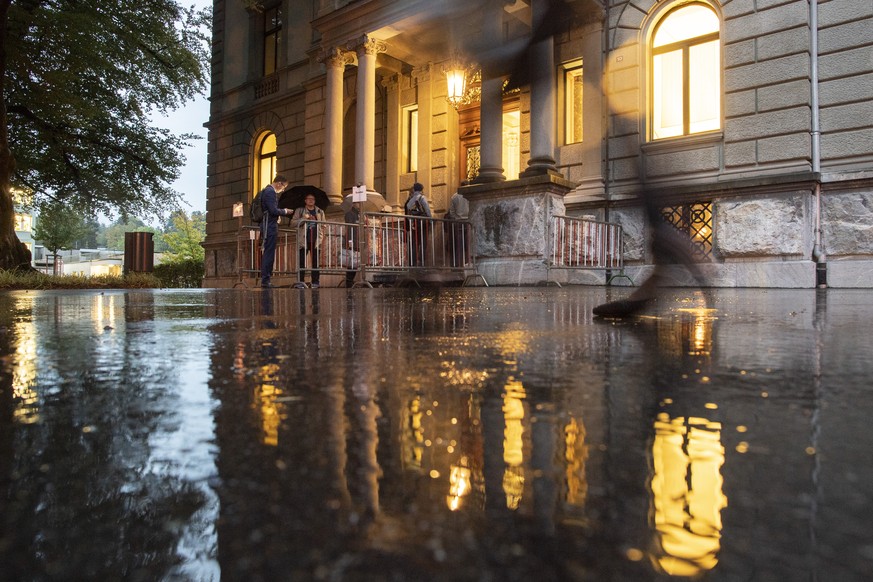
{"x": 747, "y": 124}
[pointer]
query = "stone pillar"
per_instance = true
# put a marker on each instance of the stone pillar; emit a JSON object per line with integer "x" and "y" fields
{"x": 335, "y": 61}
{"x": 365, "y": 146}
{"x": 542, "y": 101}
{"x": 392, "y": 156}
{"x": 491, "y": 104}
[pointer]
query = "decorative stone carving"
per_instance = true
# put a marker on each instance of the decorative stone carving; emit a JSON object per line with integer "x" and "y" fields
{"x": 336, "y": 57}
{"x": 367, "y": 46}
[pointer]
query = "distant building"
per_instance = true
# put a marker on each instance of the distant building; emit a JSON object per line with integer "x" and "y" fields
{"x": 23, "y": 221}
{"x": 751, "y": 123}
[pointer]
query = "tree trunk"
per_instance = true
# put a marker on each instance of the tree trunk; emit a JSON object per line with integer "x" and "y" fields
{"x": 13, "y": 253}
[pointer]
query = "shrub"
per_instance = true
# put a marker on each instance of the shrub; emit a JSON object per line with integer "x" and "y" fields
{"x": 37, "y": 280}
{"x": 186, "y": 273}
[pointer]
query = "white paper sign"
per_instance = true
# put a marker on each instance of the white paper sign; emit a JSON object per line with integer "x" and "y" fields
{"x": 359, "y": 193}
{"x": 238, "y": 210}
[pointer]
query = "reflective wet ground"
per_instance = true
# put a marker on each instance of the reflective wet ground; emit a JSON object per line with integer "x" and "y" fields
{"x": 463, "y": 434}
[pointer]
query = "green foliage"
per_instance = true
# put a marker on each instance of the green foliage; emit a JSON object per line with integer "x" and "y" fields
{"x": 83, "y": 83}
{"x": 184, "y": 238}
{"x": 187, "y": 273}
{"x": 33, "y": 280}
{"x": 113, "y": 235}
{"x": 59, "y": 227}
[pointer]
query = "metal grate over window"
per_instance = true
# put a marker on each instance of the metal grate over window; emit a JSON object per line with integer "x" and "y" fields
{"x": 695, "y": 221}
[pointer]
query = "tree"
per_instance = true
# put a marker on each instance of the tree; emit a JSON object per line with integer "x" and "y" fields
{"x": 58, "y": 228}
{"x": 113, "y": 236}
{"x": 183, "y": 241}
{"x": 82, "y": 80}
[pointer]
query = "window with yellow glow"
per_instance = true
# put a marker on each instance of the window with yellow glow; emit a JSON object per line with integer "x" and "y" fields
{"x": 695, "y": 221}
{"x": 272, "y": 38}
{"x": 265, "y": 162}
{"x": 409, "y": 132}
{"x": 23, "y": 223}
{"x": 573, "y": 102}
{"x": 511, "y": 147}
{"x": 686, "y": 73}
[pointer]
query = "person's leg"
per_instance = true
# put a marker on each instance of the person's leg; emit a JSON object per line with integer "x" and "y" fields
{"x": 315, "y": 273}
{"x": 269, "y": 255}
{"x": 301, "y": 263}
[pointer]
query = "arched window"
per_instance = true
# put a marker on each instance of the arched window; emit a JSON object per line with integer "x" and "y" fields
{"x": 686, "y": 72}
{"x": 265, "y": 162}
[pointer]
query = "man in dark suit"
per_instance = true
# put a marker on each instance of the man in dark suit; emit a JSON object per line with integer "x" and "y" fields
{"x": 270, "y": 226}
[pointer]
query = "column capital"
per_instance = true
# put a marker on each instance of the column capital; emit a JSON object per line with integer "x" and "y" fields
{"x": 336, "y": 57}
{"x": 364, "y": 45}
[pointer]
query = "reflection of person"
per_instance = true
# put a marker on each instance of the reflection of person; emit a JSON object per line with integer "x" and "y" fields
{"x": 351, "y": 242}
{"x": 270, "y": 226}
{"x": 417, "y": 229}
{"x": 308, "y": 238}
{"x": 456, "y": 234}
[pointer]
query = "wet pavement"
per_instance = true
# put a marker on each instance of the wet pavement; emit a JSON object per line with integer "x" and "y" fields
{"x": 457, "y": 434}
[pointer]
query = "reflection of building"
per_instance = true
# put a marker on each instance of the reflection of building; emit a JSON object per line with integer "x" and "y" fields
{"x": 755, "y": 146}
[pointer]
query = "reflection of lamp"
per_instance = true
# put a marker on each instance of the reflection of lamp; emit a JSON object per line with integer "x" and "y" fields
{"x": 460, "y": 78}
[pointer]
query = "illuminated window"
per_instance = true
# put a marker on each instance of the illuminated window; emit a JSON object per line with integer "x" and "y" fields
{"x": 272, "y": 37}
{"x": 573, "y": 102}
{"x": 23, "y": 223}
{"x": 511, "y": 148}
{"x": 686, "y": 73}
{"x": 265, "y": 162}
{"x": 409, "y": 132}
{"x": 695, "y": 221}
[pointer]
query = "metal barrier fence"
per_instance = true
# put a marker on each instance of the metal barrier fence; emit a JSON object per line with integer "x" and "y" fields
{"x": 581, "y": 243}
{"x": 383, "y": 244}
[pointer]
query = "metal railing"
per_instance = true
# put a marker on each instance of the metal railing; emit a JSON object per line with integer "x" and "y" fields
{"x": 582, "y": 243}
{"x": 382, "y": 244}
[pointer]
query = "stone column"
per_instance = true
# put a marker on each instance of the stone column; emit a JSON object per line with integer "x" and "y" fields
{"x": 335, "y": 61}
{"x": 542, "y": 101}
{"x": 491, "y": 104}
{"x": 365, "y": 145}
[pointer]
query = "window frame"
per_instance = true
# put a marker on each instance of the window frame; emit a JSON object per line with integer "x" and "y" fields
{"x": 685, "y": 46}
{"x": 261, "y": 156}
{"x": 567, "y": 94}
{"x": 272, "y": 38}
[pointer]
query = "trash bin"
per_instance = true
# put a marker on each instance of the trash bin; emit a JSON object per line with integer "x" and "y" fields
{"x": 139, "y": 252}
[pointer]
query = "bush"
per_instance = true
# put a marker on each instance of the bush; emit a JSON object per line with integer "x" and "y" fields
{"x": 185, "y": 274}
{"x": 37, "y": 280}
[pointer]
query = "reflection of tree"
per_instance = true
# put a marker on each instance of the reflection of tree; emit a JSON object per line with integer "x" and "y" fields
{"x": 79, "y": 497}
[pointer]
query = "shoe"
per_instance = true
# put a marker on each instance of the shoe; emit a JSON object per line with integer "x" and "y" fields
{"x": 314, "y": 285}
{"x": 621, "y": 308}
{"x": 266, "y": 285}
{"x": 300, "y": 285}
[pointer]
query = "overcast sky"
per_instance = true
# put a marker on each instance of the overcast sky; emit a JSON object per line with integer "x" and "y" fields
{"x": 190, "y": 119}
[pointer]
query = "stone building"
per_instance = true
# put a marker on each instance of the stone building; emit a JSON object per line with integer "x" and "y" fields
{"x": 748, "y": 123}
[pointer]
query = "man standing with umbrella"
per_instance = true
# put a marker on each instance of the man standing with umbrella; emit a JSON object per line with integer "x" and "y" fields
{"x": 270, "y": 227}
{"x": 308, "y": 238}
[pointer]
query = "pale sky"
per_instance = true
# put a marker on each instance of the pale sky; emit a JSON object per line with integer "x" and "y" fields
{"x": 190, "y": 119}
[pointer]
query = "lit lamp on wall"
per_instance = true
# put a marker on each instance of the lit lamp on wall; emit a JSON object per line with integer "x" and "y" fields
{"x": 460, "y": 81}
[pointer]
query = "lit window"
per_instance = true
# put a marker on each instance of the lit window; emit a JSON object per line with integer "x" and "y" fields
{"x": 410, "y": 139}
{"x": 686, "y": 73}
{"x": 573, "y": 102}
{"x": 272, "y": 36}
{"x": 23, "y": 223}
{"x": 265, "y": 165}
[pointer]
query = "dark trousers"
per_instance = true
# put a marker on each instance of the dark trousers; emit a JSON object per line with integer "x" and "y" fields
{"x": 417, "y": 233}
{"x": 270, "y": 234}
{"x": 310, "y": 248}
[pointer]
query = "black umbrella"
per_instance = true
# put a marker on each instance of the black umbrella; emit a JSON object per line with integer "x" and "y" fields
{"x": 295, "y": 197}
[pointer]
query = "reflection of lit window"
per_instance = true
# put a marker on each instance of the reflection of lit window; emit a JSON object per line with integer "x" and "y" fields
{"x": 270, "y": 415}
{"x": 513, "y": 454}
{"x": 573, "y": 102}
{"x": 459, "y": 484}
{"x": 409, "y": 133}
{"x": 24, "y": 396}
{"x": 575, "y": 455}
{"x": 686, "y": 72}
{"x": 23, "y": 222}
{"x": 414, "y": 433}
{"x": 265, "y": 165}
{"x": 687, "y": 455}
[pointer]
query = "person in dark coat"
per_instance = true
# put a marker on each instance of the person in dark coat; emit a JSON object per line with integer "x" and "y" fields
{"x": 270, "y": 226}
